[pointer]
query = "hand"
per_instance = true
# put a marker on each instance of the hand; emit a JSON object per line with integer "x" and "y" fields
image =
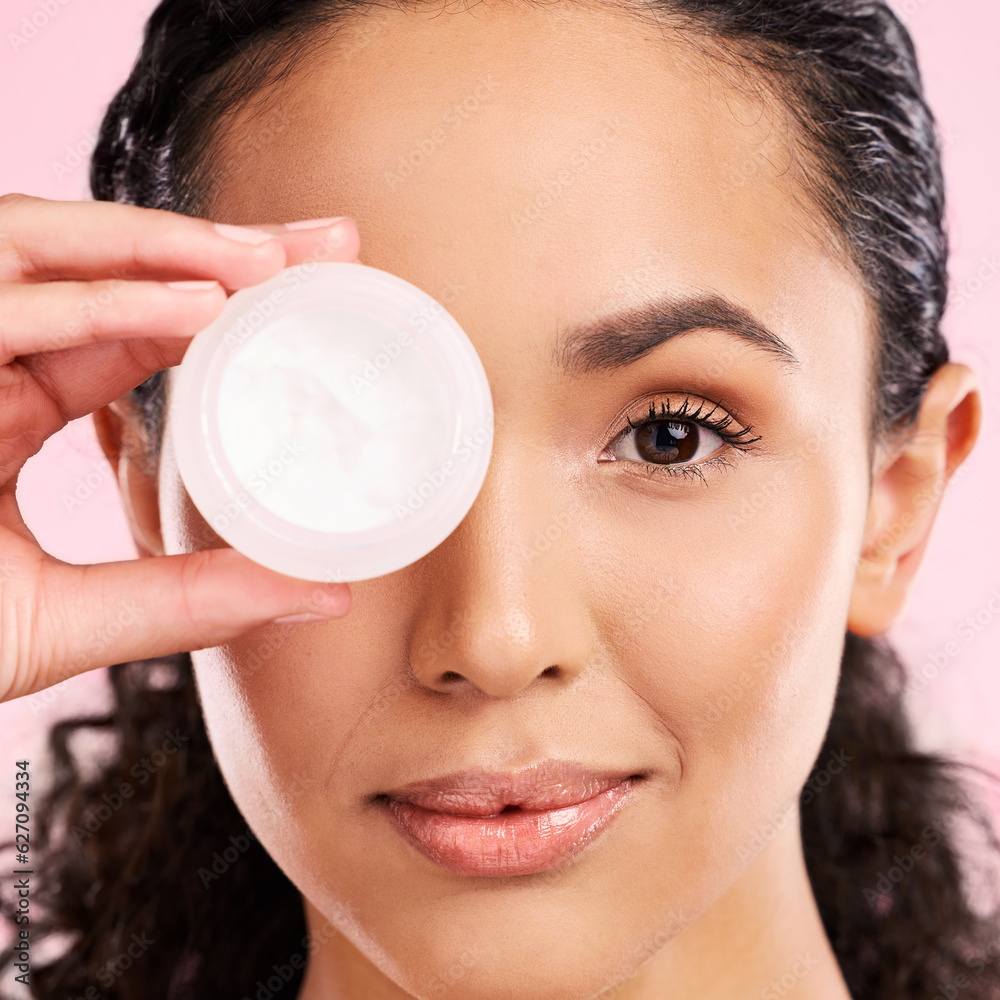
{"x": 87, "y": 312}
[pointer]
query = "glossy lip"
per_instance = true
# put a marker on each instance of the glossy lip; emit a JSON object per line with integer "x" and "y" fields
{"x": 502, "y": 824}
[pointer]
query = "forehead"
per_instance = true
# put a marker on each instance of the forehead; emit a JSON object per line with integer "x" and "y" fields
{"x": 550, "y": 160}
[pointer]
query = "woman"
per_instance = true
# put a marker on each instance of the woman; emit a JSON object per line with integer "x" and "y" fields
{"x": 699, "y": 249}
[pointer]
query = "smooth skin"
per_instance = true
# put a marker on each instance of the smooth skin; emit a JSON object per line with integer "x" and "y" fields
{"x": 687, "y": 626}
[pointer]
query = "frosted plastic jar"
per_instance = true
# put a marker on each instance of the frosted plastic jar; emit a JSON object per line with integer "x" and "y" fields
{"x": 333, "y": 423}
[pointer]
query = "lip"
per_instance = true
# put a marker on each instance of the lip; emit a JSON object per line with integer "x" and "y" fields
{"x": 497, "y": 824}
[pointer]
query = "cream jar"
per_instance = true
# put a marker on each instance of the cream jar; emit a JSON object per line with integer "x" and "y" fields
{"x": 332, "y": 423}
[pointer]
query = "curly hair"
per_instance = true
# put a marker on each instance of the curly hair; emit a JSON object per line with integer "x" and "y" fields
{"x": 142, "y": 849}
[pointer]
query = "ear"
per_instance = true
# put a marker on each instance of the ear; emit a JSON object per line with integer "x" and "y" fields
{"x": 907, "y": 487}
{"x": 122, "y": 436}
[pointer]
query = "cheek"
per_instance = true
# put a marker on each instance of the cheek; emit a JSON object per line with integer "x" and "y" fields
{"x": 727, "y": 618}
{"x": 280, "y": 708}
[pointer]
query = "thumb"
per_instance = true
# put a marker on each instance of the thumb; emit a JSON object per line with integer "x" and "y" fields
{"x": 93, "y": 616}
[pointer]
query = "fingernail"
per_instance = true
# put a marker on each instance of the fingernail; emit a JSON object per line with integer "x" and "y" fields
{"x": 302, "y": 619}
{"x": 315, "y": 223}
{"x": 242, "y": 234}
{"x": 326, "y": 601}
{"x": 192, "y": 286}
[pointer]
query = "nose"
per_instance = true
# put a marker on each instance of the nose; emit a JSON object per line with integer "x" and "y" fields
{"x": 504, "y": 603}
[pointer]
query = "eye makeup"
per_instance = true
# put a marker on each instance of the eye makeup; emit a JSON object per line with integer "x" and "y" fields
{"x": 672, "y": 441}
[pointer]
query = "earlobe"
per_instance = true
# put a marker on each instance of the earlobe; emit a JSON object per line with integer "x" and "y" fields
{"x": 119, "y": 438}
{"x": 906, "y": 495}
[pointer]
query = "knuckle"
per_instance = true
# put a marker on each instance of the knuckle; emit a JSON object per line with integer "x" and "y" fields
{"x": 83, "y": 324}
{"x": 16, "y": 648}
{"x": 12, "y": 199}
{"x": 13, "y": 261}
{"x": 195, "y": 576}
{"x": 89, "y": 318}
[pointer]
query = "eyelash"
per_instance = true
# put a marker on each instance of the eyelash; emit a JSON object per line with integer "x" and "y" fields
{"x": 721, "y": 425}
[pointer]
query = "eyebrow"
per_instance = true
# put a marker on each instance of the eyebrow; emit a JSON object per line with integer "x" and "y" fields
{"x": 621, "y": 338}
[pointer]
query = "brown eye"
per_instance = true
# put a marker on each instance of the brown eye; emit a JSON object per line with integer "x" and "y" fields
{"x": 667, "y": 442}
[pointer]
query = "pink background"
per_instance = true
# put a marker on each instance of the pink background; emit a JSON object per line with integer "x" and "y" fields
{"x": 56, "y": 86}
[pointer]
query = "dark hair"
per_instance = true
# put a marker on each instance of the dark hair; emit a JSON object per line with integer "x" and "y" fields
{"x": 881, "y": 837}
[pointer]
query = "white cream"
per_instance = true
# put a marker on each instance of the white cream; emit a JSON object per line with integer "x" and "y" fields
{"x": 319, "y": 441}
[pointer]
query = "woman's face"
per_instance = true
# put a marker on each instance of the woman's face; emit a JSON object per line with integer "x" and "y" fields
{"x": 538, "y": 170}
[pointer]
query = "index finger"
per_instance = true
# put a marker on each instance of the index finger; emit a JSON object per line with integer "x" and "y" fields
{"x": 44, "y": 239}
